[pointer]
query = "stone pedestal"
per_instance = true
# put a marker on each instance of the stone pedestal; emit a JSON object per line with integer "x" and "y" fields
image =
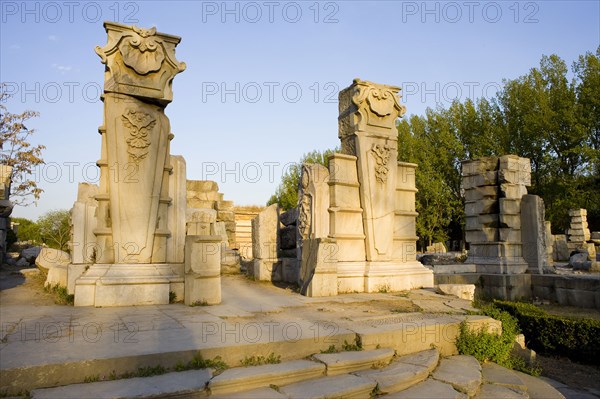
{"x": 126, "y": 285}
{"x": 202, "y": 270}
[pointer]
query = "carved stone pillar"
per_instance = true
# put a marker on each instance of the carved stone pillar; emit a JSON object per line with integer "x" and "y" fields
{"x": 133, "y": 199}
{"x": 367, "y": 129}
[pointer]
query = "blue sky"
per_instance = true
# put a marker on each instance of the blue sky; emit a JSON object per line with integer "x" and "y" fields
{"x": 261, "y": 83}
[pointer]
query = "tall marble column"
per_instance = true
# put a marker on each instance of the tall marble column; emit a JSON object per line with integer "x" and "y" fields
{"x": 133, "y": 200}
{"x": 386, "y": 189}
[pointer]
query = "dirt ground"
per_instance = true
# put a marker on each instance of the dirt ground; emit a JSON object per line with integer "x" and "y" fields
{"x": 569, "y": 373}
{"x": 22, "y": 288}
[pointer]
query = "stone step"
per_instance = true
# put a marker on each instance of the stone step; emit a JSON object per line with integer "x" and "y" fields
{"x": 403, "y": 372}
{"x": 248, "y": 378}
{"x": 340, "y": 386}
{"x": 347, "y": 362}
{"x": 192, "y": 382}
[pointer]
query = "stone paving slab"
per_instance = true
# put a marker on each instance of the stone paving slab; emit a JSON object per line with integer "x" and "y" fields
{"x": 498, "y": 375}
{"x": 346, "y": 362}
{"x": 492, "y": 391}
{"x": 462, "y": 372}
{"x": 537, "y": 388}
{"x": 247, "y": 378}
{"x": 185, "y": 382}
{"x": 430, "y": 389}
{"x": 340, "y": 386}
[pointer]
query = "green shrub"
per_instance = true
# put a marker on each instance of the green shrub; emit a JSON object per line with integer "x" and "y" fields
{"x": 576, "y": 338}
{"x": 486, "y": 346}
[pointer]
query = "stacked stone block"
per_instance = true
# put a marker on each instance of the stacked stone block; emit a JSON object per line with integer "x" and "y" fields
{"x": 493, "y": 191}
{"x": 204, "y": 194}
{"x": 243, "y": 229}
{"x": 578, "y": 231}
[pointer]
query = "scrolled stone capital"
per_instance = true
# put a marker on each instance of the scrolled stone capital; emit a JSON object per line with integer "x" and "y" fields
{"x": 366, "y": 104}
{"x": 140, "y": 62}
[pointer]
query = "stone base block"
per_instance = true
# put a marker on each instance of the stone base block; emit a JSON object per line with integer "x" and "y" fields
{"x": 392, "y": 276}
{"x": 382, "y": 276}
{"x": 125, "y": 285}
{"x": 177, "y": 288}
{"x": 201, "y": 290}
{"x": 73, "y": 273}
{"x": 510, "y": 287}
{"x": 290, "y": 270}
{"x": 263, "y": 269}
{"x": 322, "y": 284}
{"x": 57, "y": 275}
{"x": 351, "y": 277}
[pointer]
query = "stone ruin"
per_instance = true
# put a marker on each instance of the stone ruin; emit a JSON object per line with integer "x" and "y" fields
{"x": 355, "y": 226}
{"x": 134, "y": 239}
{"x": 504, "y": 225}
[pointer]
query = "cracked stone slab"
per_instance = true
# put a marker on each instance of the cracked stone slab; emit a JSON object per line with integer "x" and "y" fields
{"x": 495, "y": 374}
{"x": 462, "y": 372}
{"x": 396, "y": 377}
{"x": 491, "y": 391}
{"x": 339, "y": 386}
{"x": 347, "y": 362}
{"x": 428, "y": 390}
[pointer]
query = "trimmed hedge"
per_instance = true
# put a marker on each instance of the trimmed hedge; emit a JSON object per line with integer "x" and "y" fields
{"x": 576, "y": 338}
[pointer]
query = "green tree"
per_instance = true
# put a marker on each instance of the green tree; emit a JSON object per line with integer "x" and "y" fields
{"x": 28, "y": 230}
{"x": 55, "y": 229}
{"x": 17, "y": 151}
{"x": 286, "y": 194}
{"x": 431, "y": 143}
{"x": 542, "y": 115}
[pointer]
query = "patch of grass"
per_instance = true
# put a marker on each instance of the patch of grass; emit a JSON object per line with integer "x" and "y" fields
{"x": 383, "y": 289}
{"x": 198, "y": 362}
{"x": 355, "y": 347}
{"x": 172, "y": 297}
{"x": 60, "y": 293}
{"x": 202, "y": 302}
{"x": 331, "y": 349}
{"x": 92, "y": 378}
{"x": 260, "y": 360}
